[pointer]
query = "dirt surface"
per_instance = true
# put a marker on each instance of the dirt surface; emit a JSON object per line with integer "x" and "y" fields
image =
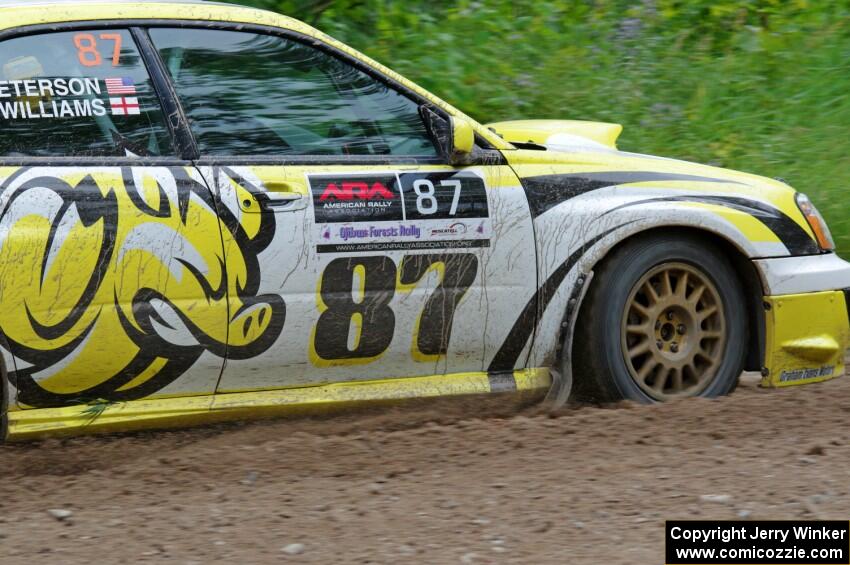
{"x": 431, "y": 484}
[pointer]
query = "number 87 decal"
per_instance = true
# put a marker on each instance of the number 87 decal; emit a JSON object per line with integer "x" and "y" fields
{"x": 426, "y": 196}
{"x": 457, "y": 272}
{"x": 88, "y": 53}
{"x": 356, "y": 324}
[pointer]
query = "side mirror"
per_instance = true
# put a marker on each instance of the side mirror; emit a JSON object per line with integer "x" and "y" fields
{"x": 462, "y": 141}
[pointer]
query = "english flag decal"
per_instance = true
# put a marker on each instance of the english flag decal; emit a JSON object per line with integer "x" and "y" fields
{"x": 125, "y": 106}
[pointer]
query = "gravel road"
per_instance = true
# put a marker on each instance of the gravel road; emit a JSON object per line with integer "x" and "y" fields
{"x": 471, "y": 482}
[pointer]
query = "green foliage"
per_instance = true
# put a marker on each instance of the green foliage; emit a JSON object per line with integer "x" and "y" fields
{"x": 756, "y": 85}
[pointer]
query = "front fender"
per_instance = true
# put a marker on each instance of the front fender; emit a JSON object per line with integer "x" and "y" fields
{"x": 585, "y": 201}
{"x": 575, "y": 235}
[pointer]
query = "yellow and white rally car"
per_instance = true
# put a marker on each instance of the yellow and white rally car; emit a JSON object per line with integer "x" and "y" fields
{"x": 211, "y": 212}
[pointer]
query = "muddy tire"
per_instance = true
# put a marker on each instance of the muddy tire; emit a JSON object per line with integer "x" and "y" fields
{"x": 664, "y": 319}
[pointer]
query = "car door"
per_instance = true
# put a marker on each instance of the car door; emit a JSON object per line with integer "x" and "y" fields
{"x": 387, "y": 261}
{"x": 110, "y": 247}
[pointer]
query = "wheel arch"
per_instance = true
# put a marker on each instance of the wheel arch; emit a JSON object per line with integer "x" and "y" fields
{"x": 744, "y": 269}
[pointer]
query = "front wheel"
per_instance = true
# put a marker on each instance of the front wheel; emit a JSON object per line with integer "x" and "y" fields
{"x": 664, "y": 319}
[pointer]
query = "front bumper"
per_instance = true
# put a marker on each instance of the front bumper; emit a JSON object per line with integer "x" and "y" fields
{"x": 807, "y": 327}
{"x": 799, "y": 275}
{"x": 806, "y": 336}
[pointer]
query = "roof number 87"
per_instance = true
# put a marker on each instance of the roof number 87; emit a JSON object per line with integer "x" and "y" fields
{"x": 87, "y": 52}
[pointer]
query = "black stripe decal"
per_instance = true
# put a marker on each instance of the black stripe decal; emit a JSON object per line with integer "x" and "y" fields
{"x": 547, "y": 191}
{"x": 787, "y": 230}
{"x": 508, "y": 354}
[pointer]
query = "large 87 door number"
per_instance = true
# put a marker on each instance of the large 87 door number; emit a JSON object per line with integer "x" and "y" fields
{"x": 357, "y": 324}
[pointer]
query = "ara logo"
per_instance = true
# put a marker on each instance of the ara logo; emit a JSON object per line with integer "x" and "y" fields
{"x": 350, "y": 190}
{"x": 356, "y": 198}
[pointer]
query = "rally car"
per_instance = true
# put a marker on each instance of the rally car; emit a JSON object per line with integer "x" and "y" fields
{"x": 211, "y": 212}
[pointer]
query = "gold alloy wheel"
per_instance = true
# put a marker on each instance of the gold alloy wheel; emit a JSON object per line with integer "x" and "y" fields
{"x": 673, "y": 332}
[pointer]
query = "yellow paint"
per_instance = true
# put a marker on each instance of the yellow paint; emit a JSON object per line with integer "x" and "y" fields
{"x": 359, "y": 286}
{"x": 817, "y": 348}
{"x": 250, "y": 222}
{"x": 138, "y": 414}
{"x": 539, "y": 131}
{"x": 463, "y": 136}
{"x": 356, "y": 327}
{"x": 538, "y": 163}
{"x": 807, "y": 335}
{"x": 752, "y": 228}
{"x": 178, "y": 412}
{"x": 152, "y": 370}
{"x": 138, "y": 260}
{"x": 294, "y": 177}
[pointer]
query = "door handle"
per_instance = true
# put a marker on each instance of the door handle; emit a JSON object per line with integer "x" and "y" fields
{"x": 282, "y": 201}
{"x": 278, "y": 196}
{"x": 282, "y": 197}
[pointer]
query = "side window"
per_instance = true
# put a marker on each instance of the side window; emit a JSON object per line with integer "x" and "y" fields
{"x": 79, "y": 93}
{"x": 260, "y": 95}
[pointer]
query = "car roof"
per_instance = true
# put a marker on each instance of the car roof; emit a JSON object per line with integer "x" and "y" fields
{"x": 18, "y": 13}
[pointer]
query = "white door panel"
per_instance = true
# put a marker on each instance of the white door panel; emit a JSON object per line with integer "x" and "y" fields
{"x": 385, "y": 272}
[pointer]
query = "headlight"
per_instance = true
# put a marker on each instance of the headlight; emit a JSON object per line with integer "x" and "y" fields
{"x": 816, "y": 222}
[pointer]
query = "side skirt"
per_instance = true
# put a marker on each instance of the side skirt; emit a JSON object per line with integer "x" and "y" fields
{"x": 195, "y": 410}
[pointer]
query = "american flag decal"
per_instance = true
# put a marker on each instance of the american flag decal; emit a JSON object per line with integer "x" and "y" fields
{"x": 120, "y": 86}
